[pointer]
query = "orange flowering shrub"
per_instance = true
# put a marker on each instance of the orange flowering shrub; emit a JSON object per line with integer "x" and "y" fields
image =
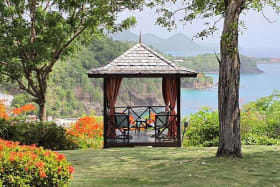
{"x": 23, "y": 109}
{"x": 32, "y": 166}
{"x": 87, "y": 132}
{"x": 16, "y": 111}
{"x": 3, "y": 113}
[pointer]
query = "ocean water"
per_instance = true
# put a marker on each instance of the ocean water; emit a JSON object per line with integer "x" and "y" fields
{"x": 252, "y": 87}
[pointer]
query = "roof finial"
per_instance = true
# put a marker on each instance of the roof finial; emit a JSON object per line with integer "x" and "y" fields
{"x": 140, "y": 37}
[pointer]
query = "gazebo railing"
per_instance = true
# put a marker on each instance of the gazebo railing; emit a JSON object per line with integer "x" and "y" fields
{"x": 136, "y": 117}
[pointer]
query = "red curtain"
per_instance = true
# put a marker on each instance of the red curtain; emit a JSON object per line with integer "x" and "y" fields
{"x": 112, "y": 90}
{"x": 170, "y": 93}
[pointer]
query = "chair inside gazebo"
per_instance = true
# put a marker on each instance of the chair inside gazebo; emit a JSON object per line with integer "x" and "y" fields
{"x": 142, "y": 125}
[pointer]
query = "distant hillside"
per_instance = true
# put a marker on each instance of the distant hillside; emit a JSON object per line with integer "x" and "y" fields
{"x": 176, "y": 45}
{"x": 209, "y": 63}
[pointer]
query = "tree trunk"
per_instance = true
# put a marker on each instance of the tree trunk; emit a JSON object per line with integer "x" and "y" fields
{"x": 42, "y": 111}
{"x": 229, "y": 79}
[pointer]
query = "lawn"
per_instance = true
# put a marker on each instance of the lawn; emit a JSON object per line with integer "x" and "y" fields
{"x": 175, "y": 167}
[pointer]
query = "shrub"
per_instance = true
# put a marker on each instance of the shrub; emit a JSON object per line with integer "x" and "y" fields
{"x": 203, "y": 129}
{"x": 253, "y": 139}
{"x": 260, "y": 124}
{"x": 45, "y": 134}
{"x": 16, "y": 113}
{"x": 32, "y": 166}
{"x": 87, "y": 132}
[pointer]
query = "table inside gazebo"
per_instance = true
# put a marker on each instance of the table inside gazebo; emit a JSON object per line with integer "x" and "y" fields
{"x": 142, "y": 128}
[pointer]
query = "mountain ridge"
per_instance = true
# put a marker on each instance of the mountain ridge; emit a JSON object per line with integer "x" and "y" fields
{"x": 177, "y": 45}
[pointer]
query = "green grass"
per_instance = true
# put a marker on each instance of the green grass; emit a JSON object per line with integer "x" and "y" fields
{"x": 174, "y": 167}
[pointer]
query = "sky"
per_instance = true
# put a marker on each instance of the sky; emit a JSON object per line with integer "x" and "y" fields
{"x": 260, "y": 38}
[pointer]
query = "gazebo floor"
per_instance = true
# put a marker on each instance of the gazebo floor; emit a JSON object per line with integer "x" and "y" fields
{"x": 143, "y": 137}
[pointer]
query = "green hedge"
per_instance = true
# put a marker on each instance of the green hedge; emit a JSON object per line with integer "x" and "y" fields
{"x": 45, "y": 134}
{"x": 260, "y": 124}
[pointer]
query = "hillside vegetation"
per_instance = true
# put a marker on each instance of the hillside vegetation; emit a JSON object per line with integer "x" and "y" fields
{"x": 209, "y": 63}
{"x": 71, "y": 93}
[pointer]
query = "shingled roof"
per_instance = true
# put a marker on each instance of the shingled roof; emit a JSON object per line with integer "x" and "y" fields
{"x": 141, "y": 61}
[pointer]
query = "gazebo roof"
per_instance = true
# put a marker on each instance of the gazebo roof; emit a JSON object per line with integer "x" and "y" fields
{"x": 141, "y": 61}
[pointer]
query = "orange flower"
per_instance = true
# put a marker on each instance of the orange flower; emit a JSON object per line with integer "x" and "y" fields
{"x": 71, "y": 169}
{"x": 47, "y": 153}
{"x": 33, "y": 156}
{"x": 42, "y": 174}
{"x": 25, "y": 108}
{"x": 131, "y": 120}
{"x": 86, "y": 127}
{"x": 152, "y": 118}
{"x": 60, "y": 157}
{"x": 58, "y": 169}
{"x": 3, "y": 113}
{"x": 40, "y": 164}
{"x": 12, "y": 158}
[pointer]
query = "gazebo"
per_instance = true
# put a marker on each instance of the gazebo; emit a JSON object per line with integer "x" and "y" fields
{"x": 142, "y": 125}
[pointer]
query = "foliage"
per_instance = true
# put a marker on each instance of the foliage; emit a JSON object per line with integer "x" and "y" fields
{"x": 87, "y": 132}
{"x": 32, "y": 166}
{"x": 70, "y": 90}
{"x": 20, "y": 99}
{"x": 23, "y": 109}
{"x": 209, "y": 63}
{"x": 71, "y": 93}
{"x": 36, "y": 34}
{"x": 21, "y": 128}
{"x": 189, "y": 11}
{"x": 261, "y": 118}
{"x": 203, "y": 129}
{"x": 19, "y": 113}
{"x": 45, "y": 134}
{"x": 260, "y": 124}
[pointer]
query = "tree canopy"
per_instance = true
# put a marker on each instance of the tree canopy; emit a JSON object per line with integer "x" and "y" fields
{"x": 34, "y": 34}
{"x": 189, "y": 11}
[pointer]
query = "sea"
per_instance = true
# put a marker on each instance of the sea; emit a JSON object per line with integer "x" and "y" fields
{"x": 252, "y": 87}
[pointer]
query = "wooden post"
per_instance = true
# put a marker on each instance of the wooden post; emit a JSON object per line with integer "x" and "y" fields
{"x": 105, "y": 120}
{"x": 179, "y": 137}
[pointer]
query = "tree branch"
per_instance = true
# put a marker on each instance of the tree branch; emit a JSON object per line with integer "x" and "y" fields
{"x": 32, "y": 16}
{"x": 23, "y": 87}
{"x": 267, "y": 19}
{"x": 60, "y": 51}
{"x": 219, "y": 60}
{"x": 39, "y": 79}
{"x": 21, "y": 84}
{"x": 47, "y": 5}
{"x": 178, "y": 10}
{"x": 19, "y": 44}
{"x": 4, "y": 63}
{"x": 8, "y": 3}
